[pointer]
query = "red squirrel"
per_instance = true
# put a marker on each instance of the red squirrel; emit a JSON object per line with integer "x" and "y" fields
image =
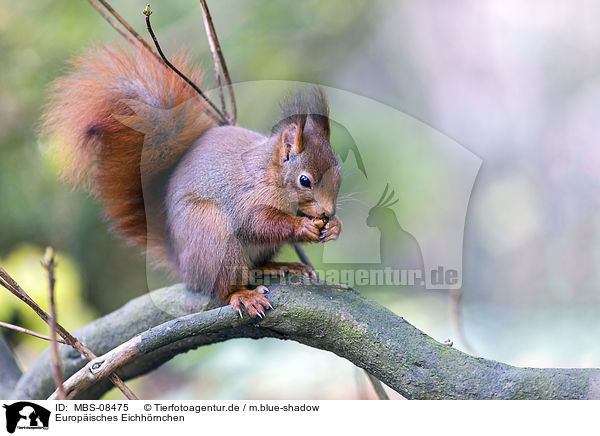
{"x": 213, "y": 201}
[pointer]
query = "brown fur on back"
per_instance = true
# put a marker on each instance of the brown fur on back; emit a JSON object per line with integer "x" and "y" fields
{"x": 120, "y": 122}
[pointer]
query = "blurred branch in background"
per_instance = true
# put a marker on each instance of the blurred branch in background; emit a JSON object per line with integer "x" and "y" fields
{"x": 219, "y": 62}
{"x": 378, "y": 387}
{"x": 133, "y": 37}
{"x": 323, "y": 316}
{"x": 49, "y": 264}
{"x": 11, "y": 373}
{"x": 457, "y": 320}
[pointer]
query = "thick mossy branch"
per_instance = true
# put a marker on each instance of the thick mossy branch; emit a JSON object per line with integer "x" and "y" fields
{"x": 324, "y": 316}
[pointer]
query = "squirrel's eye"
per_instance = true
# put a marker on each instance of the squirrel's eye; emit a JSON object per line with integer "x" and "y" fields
{"x": 304, "y": 181}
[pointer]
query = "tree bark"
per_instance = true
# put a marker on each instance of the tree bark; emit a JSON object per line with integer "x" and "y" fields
{"x": 323, "y": 316}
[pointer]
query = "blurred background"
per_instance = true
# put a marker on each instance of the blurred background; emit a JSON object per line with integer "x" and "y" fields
{"x": 517, "y": 83}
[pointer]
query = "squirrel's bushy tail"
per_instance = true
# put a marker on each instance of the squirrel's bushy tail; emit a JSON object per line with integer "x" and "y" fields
{"x": 119, "y": 122}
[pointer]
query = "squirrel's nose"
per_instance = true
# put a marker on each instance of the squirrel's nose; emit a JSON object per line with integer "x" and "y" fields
{"x": 328, "y": 212}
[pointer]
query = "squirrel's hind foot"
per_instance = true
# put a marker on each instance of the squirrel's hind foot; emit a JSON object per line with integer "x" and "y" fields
{"x": 253, "y": 300}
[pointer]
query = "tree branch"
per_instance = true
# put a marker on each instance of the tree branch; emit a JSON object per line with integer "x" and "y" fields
{"x": 322, "y": 316}
{"x": 29, "y": 332}
{"x": 377, "y": 386}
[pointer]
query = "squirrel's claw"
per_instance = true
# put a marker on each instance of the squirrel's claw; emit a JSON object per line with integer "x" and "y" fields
{"x": 309, "y": 230}
{"x": 332, "y": 230}
{"x": 262, "y": 289}
{"x": 253, "y": 300}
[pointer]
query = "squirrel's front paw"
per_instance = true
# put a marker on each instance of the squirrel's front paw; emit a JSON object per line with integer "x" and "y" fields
{"x": 332, "y": 230}
{"x": 253, "y": 300}
{"x": 308, "y": 229}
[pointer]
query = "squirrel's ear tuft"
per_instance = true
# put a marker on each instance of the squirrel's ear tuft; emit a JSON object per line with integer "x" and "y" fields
{"x": 291, "y": 140}
{"x": 304, "y": 112}
{"x": 318, "y": 125}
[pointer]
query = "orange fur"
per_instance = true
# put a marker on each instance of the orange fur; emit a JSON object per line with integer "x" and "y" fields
{"x": 122, "y": 121}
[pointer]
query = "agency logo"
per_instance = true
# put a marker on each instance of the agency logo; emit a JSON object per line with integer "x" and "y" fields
{"x": 26, "y": 416}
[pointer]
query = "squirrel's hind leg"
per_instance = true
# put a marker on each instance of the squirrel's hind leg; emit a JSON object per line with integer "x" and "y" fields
{"x": 210, "y": 257}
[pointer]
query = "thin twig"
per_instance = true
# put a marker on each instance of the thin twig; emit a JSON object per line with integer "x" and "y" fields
{"x": 110, "y": 21}
{"x": 217, "y": 53}
{"x": 133, "y": 37}
{"x": 218, "y": 116}
{"x": 13, "y": 287}
{"x": 29, "y": 332}
{"x": 49, "y": 264}
{"x": 218, "y": 58}
{"x": 215, "y": 57}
